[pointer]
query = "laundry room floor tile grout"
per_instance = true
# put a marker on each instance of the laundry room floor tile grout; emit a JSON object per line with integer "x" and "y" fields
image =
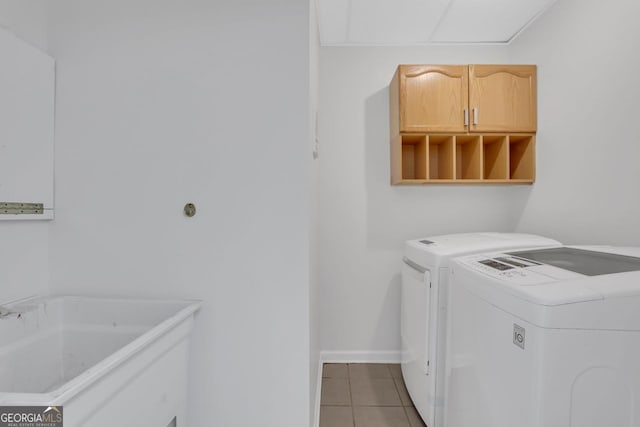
{"x": 365, "y": 395}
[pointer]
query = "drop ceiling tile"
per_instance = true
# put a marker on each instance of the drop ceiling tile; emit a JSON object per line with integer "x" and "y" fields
{"x": 486, "y": 20}
{"x": 408, "y": 22}
{"x": 393, "y": 21}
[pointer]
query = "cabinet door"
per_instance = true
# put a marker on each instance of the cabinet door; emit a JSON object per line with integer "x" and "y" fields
{"x": 433, "y": 98}
{"x": 27, "y": 98}
{"x": 502, "y": 98}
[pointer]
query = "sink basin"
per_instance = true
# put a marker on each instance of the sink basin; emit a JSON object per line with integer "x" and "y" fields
{"x": 98, "y": 358}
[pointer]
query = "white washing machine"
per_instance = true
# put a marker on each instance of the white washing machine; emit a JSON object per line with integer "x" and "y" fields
{"x": 425, "y": 275}
{"x": 545, "y": 338}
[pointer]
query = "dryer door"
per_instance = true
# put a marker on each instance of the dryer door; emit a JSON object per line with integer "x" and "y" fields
{"x": 416, "y": 329}
{"x": 416, "y": 302}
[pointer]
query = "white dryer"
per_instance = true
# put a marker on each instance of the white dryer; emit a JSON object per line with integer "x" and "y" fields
{"x": 424, "y": 307}
{"x": 545, "y": 338}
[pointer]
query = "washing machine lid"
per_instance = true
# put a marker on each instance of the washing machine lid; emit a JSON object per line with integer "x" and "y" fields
{"x": 558, "y": 297}
{"x": 582, "y": 261}
{"x": 436, "y": 251}
{"x": 561, "y": 275}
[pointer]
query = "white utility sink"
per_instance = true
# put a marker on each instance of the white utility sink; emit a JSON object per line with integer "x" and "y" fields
{"x": 102, "y": 360}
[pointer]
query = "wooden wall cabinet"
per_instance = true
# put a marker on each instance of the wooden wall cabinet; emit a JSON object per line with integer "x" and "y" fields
{"x": 429, "y": 98}
{"x": 502, "y": 98}
{"x": 463, "y": 124}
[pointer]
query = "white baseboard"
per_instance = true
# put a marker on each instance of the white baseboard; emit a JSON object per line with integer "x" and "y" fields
{"x": 360, "y": 357}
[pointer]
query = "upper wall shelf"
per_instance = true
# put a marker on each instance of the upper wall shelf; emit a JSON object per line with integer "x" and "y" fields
{"x": 463, "y": 124}
{"x": 463, "y": 159}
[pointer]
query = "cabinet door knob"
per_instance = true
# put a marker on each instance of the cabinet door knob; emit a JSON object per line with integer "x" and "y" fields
{"x": 466, "y": 117}
{"x": 475, "y": 116}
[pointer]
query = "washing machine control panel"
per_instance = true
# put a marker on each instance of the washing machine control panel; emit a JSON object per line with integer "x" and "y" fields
{"x": 515, "y": 270}
{"x": 493, "y": 263}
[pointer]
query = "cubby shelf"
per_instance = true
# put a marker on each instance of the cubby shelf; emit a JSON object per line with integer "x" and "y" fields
{"x": 463, "y": 159}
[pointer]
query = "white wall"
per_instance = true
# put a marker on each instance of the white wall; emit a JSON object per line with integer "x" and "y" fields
{"x": 24, "y": 252}
{"x": 365, "y": 220}
{"x": 165, "y": 102}
{"x": 588, "y": 110}
{"x": 27, "y": 20}
{"x": 24, "y": 263}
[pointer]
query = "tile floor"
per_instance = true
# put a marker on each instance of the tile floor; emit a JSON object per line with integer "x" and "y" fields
{"x": 365, "y": 395}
